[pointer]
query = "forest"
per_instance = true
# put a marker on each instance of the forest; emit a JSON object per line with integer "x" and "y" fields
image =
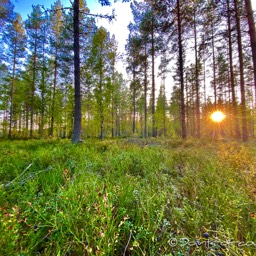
{"x": 147, "y": 152}
{"x": 183, "y": 59}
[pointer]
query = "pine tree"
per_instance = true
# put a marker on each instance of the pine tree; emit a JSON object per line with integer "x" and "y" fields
{"x": 77, "y": 112}
{"x": 35, "y": 39}
{"x": 174, "y": 25}
{"x": 14, "y": 38}
{"x": 56, "y": 26}
{"x": 99, "y": 67}
{"x": 134, "y": 58}
{"x": 241, "y": 69}
{"x": 231, "y": 71}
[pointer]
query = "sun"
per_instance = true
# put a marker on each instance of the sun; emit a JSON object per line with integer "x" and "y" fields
{"x": 217, "y": 116}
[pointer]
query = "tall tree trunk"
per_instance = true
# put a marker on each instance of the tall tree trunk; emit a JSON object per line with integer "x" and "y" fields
{"x": 214, "y": 69}
{"x": 134, "y": 104}
{"x": 33, "y": 87}
{"x": 145, "y": 132}
{"x": 164, "y": 119}
{"x": 153, "y": 78}
{"x": 102, "y": 119}
{"x": 187, "y": 103}
{"x": 12, "y": 90}
{"x": 204, "y": 65}
{"x": 117, "y": 126}
{"x": 113, "y": 101}
{"x": 112, "y": 118}
{"x": 181, "y": 71}
{"x": 20, "y": 121}
{"x": 27, "y": 119}
{"x": 241, "y": 68}
{"x": 232, "y": 80}
{"x": 54, "y": 89}
{"x": 41, "y": 126}
{"x": 77, "y": 112}
{"x": 197, "y": 81}
{"x": 252, "y": 33}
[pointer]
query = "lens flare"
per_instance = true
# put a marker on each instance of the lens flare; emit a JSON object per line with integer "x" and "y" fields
{"x": 217, "y": 116}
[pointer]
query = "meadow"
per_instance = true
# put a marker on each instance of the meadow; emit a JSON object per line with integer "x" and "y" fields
{"x": 127, "y": 197}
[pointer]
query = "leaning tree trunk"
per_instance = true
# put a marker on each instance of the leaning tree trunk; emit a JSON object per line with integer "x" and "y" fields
{"x": 77, "y": 113}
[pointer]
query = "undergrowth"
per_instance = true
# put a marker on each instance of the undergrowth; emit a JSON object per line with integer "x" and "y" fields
{"x": 123, "y": 197}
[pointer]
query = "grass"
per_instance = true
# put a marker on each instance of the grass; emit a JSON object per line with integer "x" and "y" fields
{"x": 126, "y": 198}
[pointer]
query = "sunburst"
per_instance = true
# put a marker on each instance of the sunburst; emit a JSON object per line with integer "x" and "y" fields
{"x": 218, "y": 116}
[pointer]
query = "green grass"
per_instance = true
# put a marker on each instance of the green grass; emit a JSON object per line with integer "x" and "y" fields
{"x": 123, "y": 197}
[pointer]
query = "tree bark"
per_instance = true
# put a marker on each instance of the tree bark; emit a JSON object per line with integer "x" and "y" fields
{"x": 54, "y": 89}
{"x": 12, "y": 90}
{"x": 33, "y": 87}
{"x": 214, "y": 69}
{"x": 145, "y": 133}
{"x": 153, "y": 77}
{"x": 181, "y": 71}
{"x": 197, "y": 81}
{"x": 231, "y": 71}
{"x": 77, "y": 112}
{"x": 252, "y": 33}
{"x": 241, "y": 69}
{"x": 134, "y": 104}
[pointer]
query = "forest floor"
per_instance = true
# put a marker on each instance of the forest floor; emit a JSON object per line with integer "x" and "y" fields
{"x": 127, "y": 197}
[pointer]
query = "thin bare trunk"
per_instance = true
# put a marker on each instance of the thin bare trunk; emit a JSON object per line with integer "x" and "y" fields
{"x": 214, "y": 70}
{"x": 252, "y": 33}
{"x": 153, "y": 78}
{"x": 181, "y": 71}
{"x": 145, "y": 95}
{"x": 12, "y": 89}
{"x": 241, "y": 69}
{"x": 54, "y": 90}
{"x": 134, "y": 104}
{"x": 197, "y": 82}
{"x": 33, "y": 88}
{"x": 231, "y": 71}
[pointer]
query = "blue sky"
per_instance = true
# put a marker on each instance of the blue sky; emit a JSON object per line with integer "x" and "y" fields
{"x": 24, "y": 7}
